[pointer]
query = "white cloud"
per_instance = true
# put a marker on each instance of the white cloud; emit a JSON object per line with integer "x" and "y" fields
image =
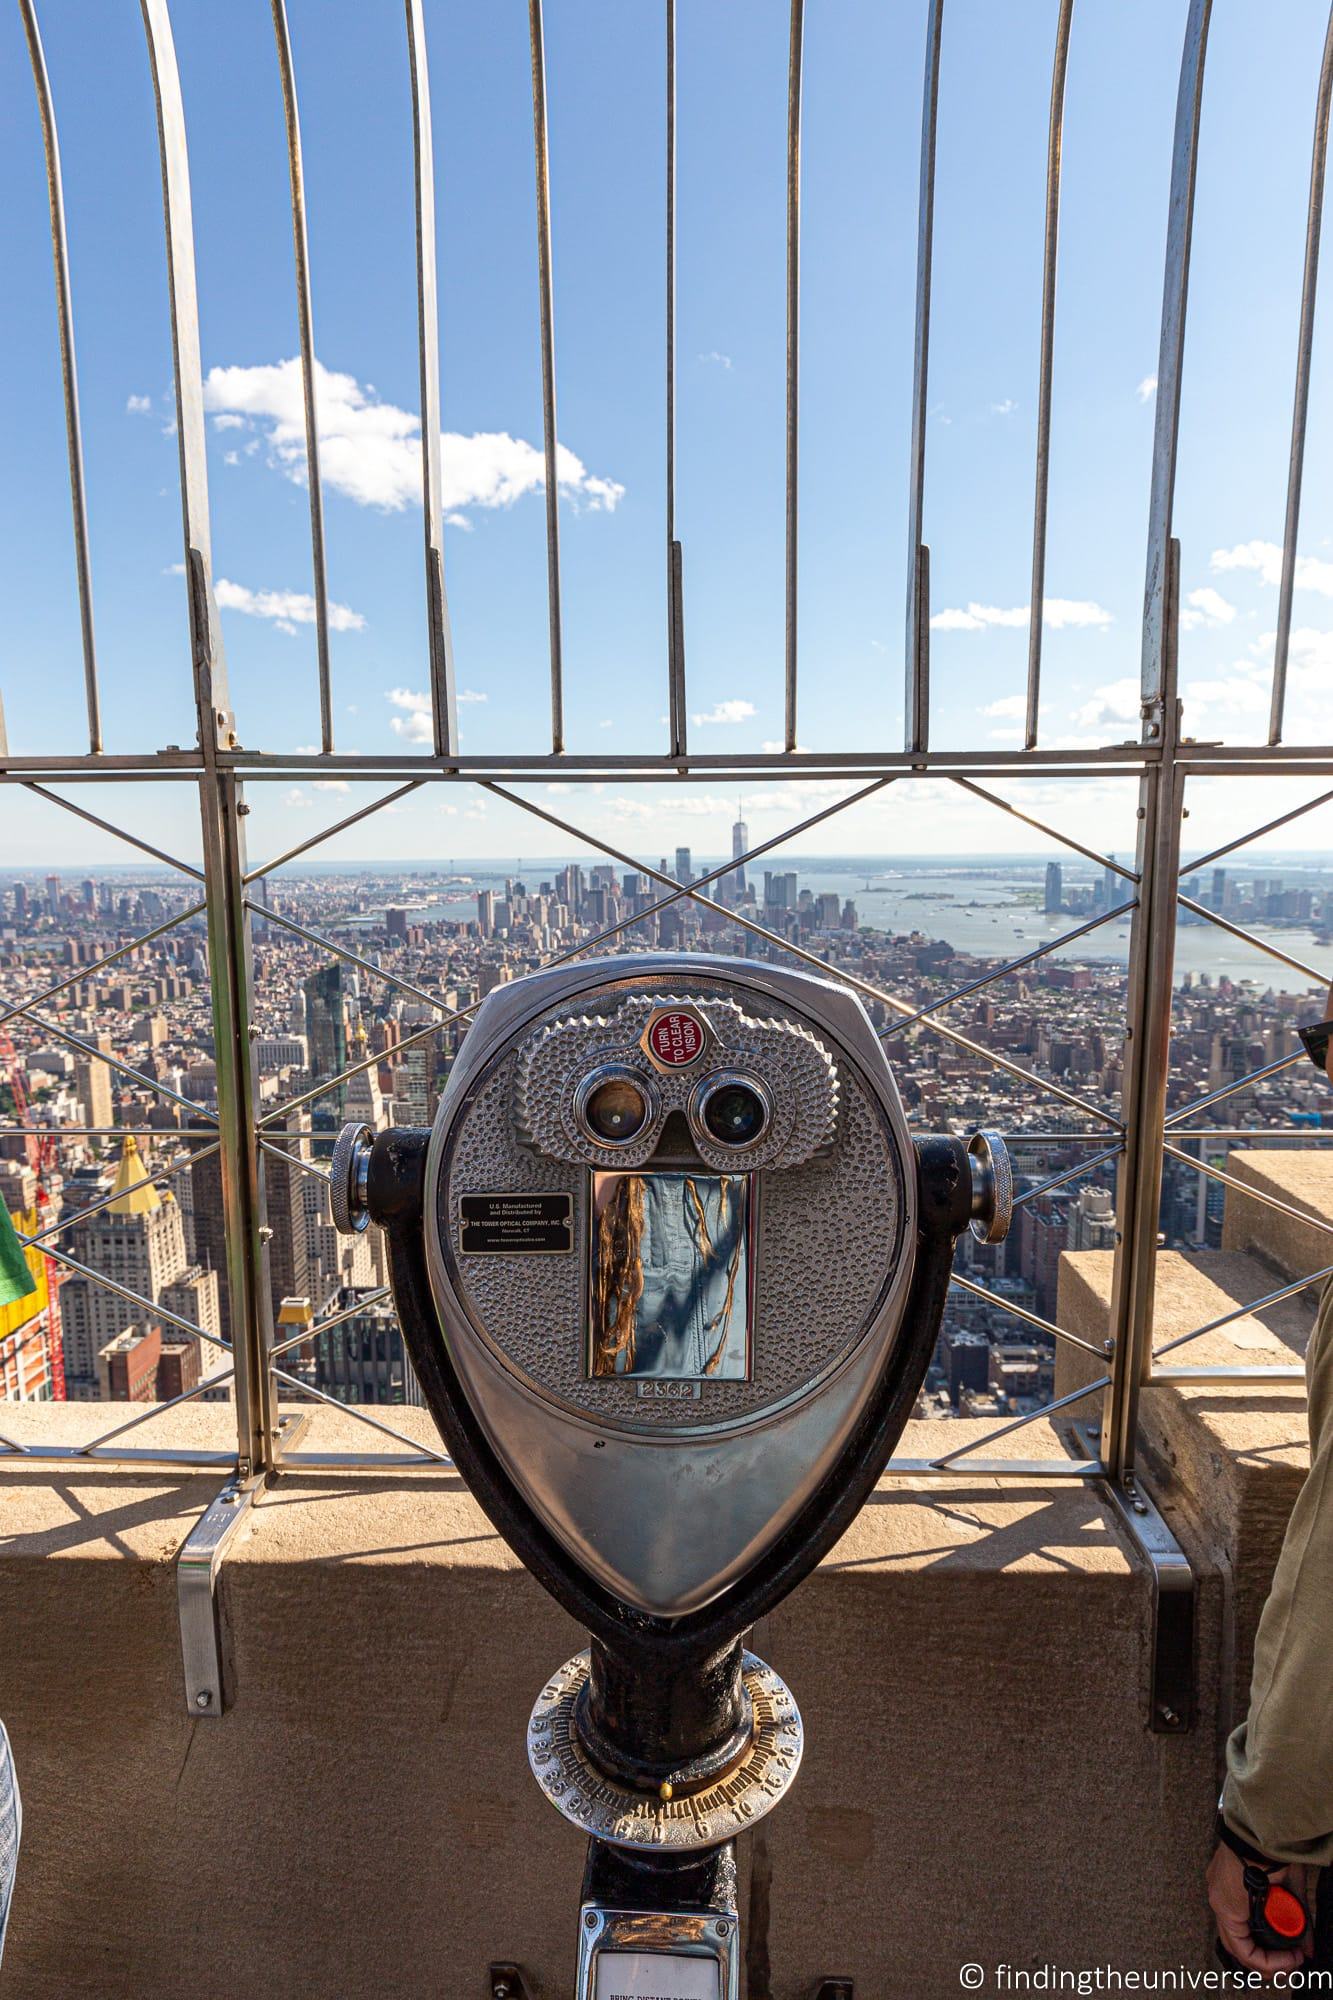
{"x": 1009, "y": 708}
{"x": 287, "y": 608}
{"x": 138, "y": 406}
{"x": 727, "y": 711}
{"x": 1205, "y": 607}
{"x": 1058, "y": 612}
{"x": 228, "y": 421}
{"x": 1004, "y": 409}
{"x": 1265, "y": 559}
{"x": 1147, "y": 389}
{"x": 718, "y": 360}
{"x": 415, "y": 724}
{"x": 1118, "y": 701}
{"x": 370, "y": 450}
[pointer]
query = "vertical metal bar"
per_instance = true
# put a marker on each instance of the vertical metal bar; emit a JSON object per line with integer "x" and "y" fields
{"x": 69, "y": 373}
{"x": 1175, "y": 293}
{"x": 306, "y": 327}
{"x": 230, "y": 969}
{"x": 1301, "y": 400}
{"x": 231, "y": 975}
{"x": 675, "y": 564}
{"x": 1054, "y": 137}
{"x": 1147, "y": 1064}
{"x": 794, "y": 70}
{"x": 443, "y": 701}
{"x": 916, "y": 713}
{"x": 541, "y": 158}
{"x": 1152, "y": 935}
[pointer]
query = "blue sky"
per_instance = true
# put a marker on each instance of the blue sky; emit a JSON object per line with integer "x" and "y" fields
{"x": 862, "y": 85}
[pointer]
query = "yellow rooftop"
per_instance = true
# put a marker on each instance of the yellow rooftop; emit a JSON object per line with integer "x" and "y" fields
{"x": 127, "y": 1198}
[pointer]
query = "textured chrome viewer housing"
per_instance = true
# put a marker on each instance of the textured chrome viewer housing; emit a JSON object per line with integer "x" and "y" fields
{"x": 789, "y": 1060}
{"x": 665, "y": 1480}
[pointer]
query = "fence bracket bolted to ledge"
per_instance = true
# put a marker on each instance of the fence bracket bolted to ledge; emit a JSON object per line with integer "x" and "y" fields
{"x": 198, "y": 1563}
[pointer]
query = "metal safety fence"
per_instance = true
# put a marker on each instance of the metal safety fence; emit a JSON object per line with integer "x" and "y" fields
{"x": 245, "y": 1136}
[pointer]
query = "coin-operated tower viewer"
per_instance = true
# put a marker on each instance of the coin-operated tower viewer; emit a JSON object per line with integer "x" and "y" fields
{"x": 670, "y": 1271}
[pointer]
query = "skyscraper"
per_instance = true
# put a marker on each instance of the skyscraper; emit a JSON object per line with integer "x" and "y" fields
{"x": 326, "y": 1026}
{"x": 740, "y": 842}
{"x": 684, "y": 869}
{"x": 139, "y": 1240}
{"x": 1055, "y": 888}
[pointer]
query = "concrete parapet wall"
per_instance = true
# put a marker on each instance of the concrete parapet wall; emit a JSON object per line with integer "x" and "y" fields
{"x": 979, "y": 1783}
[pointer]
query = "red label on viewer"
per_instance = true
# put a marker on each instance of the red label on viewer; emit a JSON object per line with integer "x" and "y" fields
{"x": 676, "y": 1040}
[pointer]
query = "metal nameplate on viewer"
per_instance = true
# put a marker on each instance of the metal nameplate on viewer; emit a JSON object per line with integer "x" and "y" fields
{"x": 516, "y": 1225}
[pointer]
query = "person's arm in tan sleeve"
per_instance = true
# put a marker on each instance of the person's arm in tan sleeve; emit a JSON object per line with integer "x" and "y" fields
{"x": 1278, "y": 1796}
{"x": 1279, "y": 1787}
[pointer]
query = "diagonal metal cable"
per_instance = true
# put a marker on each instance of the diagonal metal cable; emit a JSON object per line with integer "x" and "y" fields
{"x": 355, "y": 1411}
{"x": 1243, "y": 1187}
{"x": 1244, "y": 1312}
{"x": 318, "y": 839}
{"x": 1014, "y": 965}
{"x": 118, "y": 1194}
{"x": 822, "y": 966}
{"x": 118, "y": 832}
{"x": 295, "y": 1159}
{"x": 1253, "y": 1076}
{"x": 100, "y": 1443}
{"x": 150, "y": 1306}
{"x": 1040, "y": 826}
{"x": 1021, "y": 1312}
{"x": 1315, "y": 976}
{"x": 351, "y": 957}
{"x": 1255, "y": 833}
{"x": 1031, "y": 1417}
{"x": 83, "y": 972}
{"x": 113, "y": 1062}
{"x": 313, "y": 1332}
{"x": 332, "y": 1083}
{"x": 585, "y": 945}
{"x": 1069, "y": 1174}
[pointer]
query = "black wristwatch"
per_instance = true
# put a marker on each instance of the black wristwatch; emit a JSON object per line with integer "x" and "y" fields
{"x": 1316, "y": 1041}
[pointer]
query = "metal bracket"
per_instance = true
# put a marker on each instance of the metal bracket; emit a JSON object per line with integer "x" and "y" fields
{"x": 508, "y": 1983}
{"x": 1171, "y": 1678}
{"x": 197, "y": 1566}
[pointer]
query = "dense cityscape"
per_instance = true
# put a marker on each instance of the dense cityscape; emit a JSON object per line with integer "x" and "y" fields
{"x": 108, "y": 1152}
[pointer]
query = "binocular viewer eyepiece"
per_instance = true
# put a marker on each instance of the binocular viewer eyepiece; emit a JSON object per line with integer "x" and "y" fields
{"x": 670, "y": 1269}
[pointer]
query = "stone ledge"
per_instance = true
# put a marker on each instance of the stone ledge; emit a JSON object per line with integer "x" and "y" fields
{"x": 1226, "y": 1460}
{"x": 1302, "y": 1177}
{"x": 970, "y": 1660}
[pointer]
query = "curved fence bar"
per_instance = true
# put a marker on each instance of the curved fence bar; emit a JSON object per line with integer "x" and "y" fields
{"x": 794, "y": 69}
{"x": 443, "y": 702}
{"x": 1171, "y": 354}
{"x": 306, "y": 333}
{"x": 674, "y": 558}
{"x": 69, "y": 373}
{"x": 1301, "y": 400}
{"x": 542, "y": 165}
{"x": 916, "y": 708}
{"x": 1050, "y": 259}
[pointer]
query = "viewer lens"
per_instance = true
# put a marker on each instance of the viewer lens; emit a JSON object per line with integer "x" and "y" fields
{"x": 735, "y": 1114}
{"x": 616, "y": 1111}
